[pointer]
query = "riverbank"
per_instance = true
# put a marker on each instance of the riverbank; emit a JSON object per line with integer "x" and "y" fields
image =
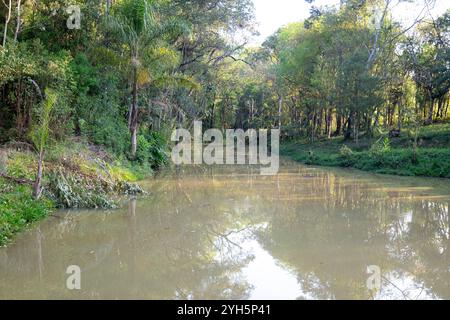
{"x": 76, "y": 175}
{"x": 380, "y": 154}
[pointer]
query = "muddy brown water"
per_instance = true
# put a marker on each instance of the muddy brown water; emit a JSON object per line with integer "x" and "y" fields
{"x": 229, "y": 233}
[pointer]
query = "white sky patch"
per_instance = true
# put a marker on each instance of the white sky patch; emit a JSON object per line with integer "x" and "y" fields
{"x": 273, "y": 14}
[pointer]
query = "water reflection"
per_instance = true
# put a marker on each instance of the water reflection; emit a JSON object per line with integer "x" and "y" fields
{"x": 229, "y": 233}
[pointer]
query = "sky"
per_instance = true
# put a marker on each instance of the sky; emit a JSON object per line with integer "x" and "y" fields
{"x": 273, "y": 14}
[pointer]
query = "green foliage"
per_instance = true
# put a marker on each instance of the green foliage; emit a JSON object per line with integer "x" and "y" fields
{"x": 18, "y": 209}
{"x": 74, "y": 189}
{"x": 122, "y": 173}
{"x": 173, "y": 61}
{"x": 88, "y": 177}
{"x": 21, "y": 165}
{"x": 143, "y": 150}
{"x": 27, "y": 69}
{"x": 152, "y": 150}
{"x": 69, "y": 190}
{"x": 158, "y": 150}
{"x": 345, "y": 151}
{"x": 60, "y": 83}
{"x": 39, "y": 134}
{"x": 148, "y": 44}
{"x": 347, "y": 156}
{"x": 380, "y": 156}
{"x": 77, "y": 176}
{"x": 22, "y": 60}
{"x": 380, "y": 148}
{"x": 311, "y": 158}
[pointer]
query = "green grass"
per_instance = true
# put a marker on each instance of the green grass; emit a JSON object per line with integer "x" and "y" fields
{"x": 74, "y": 176}
{"x": 18, "y": 209}
{"x": 432, "y": 157}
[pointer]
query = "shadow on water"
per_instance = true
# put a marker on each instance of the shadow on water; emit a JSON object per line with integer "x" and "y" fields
{"x": 229, "y": 233}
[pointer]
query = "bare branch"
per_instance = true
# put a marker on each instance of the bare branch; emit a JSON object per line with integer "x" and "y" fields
{"x": 8, "y": 18}
{"x": 19, "y": 22}
{"x": 15, "y": 180}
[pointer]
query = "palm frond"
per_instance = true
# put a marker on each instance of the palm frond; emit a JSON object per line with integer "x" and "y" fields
{"x": 176, "y": 80}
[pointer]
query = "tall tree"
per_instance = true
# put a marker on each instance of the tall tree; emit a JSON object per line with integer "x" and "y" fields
{"x": 141, "y": 30}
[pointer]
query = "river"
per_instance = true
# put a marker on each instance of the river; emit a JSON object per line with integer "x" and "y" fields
{"x": 230, "y": 233}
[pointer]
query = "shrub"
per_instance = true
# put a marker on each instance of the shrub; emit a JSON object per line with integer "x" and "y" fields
{"x": 143, "y": 150}
{"x": 18, "y": 209}
{"x": 380, "y": 148}
{"x": 346, "y": 156}
{"x": 21, "y": 165}
{"x": 158, "y": 150}
{"x": 70, "y": 190}
{"x": 345, "y": 151}
{"x": 152, "y": 150}
{"x": 312, "y": 158}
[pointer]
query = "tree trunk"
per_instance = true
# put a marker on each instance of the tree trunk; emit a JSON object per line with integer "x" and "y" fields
{"x": 348, "y": 130}
{"x": 280, "y": 108}
{"x": 446, "y": 108}
{"x": 430, "y": 112}
{"x": 20, "y": 117}
{"x": 222, "y": 114}
{"x": 377, "y": 118}
{"x": 440, "y": 110}
{"x": 16, "y": 33}
{"x": 108, "y": 6}
{"x": 329, "y": 123}
{"x": 133, "y": 142}
{"x": 37, "y": 189}
{"x": 338, "y": 124}
{"x": 8, "y": 18}
{"x": 252, "y": 112}
{"x": 319, "y": 119}
{"x": 213, "y": 110}
{"x": 134, "y": 115}
{"x": 369, "y": 126}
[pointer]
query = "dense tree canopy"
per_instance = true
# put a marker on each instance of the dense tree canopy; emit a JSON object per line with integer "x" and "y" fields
{"x": 137, "y": 68}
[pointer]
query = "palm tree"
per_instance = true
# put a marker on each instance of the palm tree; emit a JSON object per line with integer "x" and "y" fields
{"x": 144, "y": 37}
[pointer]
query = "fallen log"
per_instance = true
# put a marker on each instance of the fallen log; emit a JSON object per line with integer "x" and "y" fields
{"x": 16, "y": 180}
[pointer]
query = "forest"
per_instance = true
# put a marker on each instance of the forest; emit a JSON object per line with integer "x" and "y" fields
{"x": 91, "y": 90}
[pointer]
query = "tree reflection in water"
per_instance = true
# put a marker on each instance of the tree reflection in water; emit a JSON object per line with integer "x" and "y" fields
{"x": 195, "y": 237}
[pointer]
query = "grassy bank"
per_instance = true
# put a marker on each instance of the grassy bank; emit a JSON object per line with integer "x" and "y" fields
{"x": 18, "y": 209}
{"x": 76, "y": 175}
{"x": 381, "y": 154}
